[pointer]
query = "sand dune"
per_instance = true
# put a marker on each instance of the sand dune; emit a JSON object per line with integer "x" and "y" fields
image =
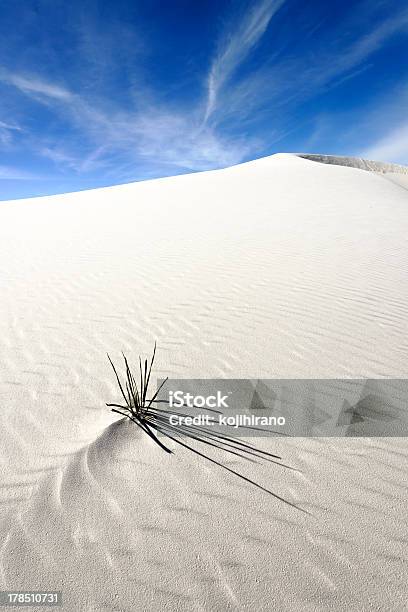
{"x": 275, "y": 268}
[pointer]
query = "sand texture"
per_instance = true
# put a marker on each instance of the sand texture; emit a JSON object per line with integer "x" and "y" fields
{"x": 275, "y": 268}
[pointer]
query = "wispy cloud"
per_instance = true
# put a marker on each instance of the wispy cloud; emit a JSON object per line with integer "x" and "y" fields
{"x": 393, "y": 147}
{"x": 171, "y": 139}
{"x": 6, "y": 132}
{"x": 34, "y": 85}
{"x": 236, "y": 46}
{"x": 9, "y": 126}
{"x": 360, "y": 50}
{"x": 292, "y": 79}
{"x": 11, "y": 173}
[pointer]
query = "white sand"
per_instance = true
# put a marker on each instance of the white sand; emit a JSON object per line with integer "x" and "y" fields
{"x": 282, "y": 267}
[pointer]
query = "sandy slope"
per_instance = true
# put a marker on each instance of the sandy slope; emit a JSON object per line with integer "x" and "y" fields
{"x": 279, "y": 267}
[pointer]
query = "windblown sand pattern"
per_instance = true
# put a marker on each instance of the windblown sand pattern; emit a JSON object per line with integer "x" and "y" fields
{"x": 275, "y": 268}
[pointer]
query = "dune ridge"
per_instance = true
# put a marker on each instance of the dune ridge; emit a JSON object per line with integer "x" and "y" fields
{"x": 356, "y": 162}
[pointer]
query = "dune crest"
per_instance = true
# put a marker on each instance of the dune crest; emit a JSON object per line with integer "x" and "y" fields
{"x": 356, "y": 162}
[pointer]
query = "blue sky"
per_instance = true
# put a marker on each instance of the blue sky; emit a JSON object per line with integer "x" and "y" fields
{"x": 96, "y": 93}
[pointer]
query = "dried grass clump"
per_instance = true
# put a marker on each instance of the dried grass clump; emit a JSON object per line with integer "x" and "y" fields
{"x": 153, "y": 420}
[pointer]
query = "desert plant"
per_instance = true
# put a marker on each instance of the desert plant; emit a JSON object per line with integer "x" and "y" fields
{"x": 137, "y": 405}
{"x": 154, "y": 420}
